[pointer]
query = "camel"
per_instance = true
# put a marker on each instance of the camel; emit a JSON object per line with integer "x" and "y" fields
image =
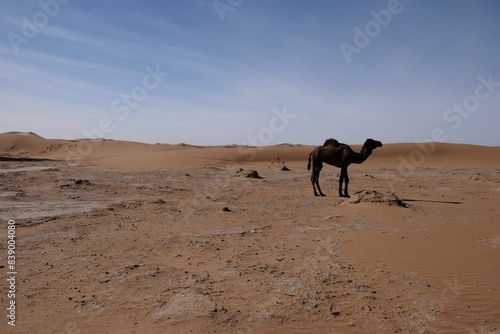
{"x": 339, "y": 155}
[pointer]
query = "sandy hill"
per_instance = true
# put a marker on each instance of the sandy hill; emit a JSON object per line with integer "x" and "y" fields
{"x": 125, "y": 155}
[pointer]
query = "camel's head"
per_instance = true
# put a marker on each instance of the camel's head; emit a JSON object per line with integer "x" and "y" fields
{"x": 372, "y": 144}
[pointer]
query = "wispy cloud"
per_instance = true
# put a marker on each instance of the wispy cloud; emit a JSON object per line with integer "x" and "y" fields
{"x": 226, "y": 77}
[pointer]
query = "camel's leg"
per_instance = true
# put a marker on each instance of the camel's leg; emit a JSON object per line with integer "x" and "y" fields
{"x": 314, "y": 172}
{"x": 317, "y": 165}
{"x": 346, "y": 180}
{"x": 343, "y": 178}
{"x": 313, "y": 180}
{"x": 317, "y": 183}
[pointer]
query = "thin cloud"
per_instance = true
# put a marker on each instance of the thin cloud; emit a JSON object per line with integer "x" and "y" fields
{"x": 226, "y": 77}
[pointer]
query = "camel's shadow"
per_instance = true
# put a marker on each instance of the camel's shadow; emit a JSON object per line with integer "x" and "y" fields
{"x": 9, "y": 159}
{"x": 430, "y": 201}
{"x": 373, "y": 196}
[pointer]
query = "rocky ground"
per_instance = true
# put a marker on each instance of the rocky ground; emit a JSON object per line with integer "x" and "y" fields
{"x": 212, "y": 250}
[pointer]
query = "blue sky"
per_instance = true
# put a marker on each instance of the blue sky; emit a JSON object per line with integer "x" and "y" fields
{"x": 228, "y": 70}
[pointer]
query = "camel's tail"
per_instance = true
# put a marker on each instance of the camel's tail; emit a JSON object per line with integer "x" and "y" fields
{"x": 309, "y": 162}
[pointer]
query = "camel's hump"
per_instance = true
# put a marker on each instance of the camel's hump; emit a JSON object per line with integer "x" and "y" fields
{"x": 331, "y": 142}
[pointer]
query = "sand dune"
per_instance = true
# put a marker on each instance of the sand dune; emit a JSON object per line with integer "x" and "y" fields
{"x": 125, "y": 237}
{"x": 123, "y": 155}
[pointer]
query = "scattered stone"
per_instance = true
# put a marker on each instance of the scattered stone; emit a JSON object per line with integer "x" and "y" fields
{"x": 285, "y": 169}
{"x": 134, "y": 266}
{"x": 82, "y": 182}
{"x": 248, "y": 173}
{"x": 222, "y": 309}
{"x": 253, "y": 174}
{"x": 159, "y": 201}
{"x": 72, "y": 183}
{"x": 226, "y": 209}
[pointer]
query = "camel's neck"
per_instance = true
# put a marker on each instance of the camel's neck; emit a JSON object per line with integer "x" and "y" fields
{"x": 362, "y": 155}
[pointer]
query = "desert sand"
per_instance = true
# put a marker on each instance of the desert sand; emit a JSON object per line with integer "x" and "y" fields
{"x": 123, "y": 237}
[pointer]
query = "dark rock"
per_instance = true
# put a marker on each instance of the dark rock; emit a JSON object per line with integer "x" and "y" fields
{"x": 82, "y": 182}
{"x": 159, "y": 201}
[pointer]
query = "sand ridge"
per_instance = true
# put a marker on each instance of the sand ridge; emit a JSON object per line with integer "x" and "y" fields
{"x": 129, "y": 156}
{"x": 135, "y": 238}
